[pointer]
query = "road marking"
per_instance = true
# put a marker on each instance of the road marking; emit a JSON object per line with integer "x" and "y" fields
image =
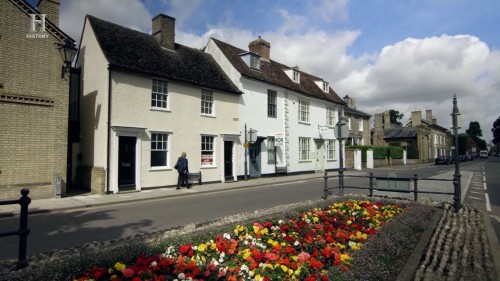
{"x": 485, "y": 186}
{"x": 476, "y": 192}
{"x": 495, "y": 217}
{"x": 488, "y": 207}
{"x": 474, "y": 198}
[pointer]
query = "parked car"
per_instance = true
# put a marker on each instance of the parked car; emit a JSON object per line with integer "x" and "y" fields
{"x": 469, "y": 157}
{"x": 463, "y": 158}
{"x": 443, "y": 160}
{"x": 483, "y": 154}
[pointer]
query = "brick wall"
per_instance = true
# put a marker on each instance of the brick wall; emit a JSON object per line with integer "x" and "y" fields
{"x": 33, "y": 108}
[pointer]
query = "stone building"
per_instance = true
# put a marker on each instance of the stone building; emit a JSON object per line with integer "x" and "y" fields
{"x": 33, "y": 100}
{"x": 358, "y": 122}
{"x": 423, "y": 136}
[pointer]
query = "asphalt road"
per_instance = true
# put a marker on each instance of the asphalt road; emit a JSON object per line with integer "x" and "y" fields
{"x": 71, "y": 228}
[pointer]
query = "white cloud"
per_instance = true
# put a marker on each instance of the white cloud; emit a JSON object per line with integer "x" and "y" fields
{"x": 130, "y": 13}
{"x": 330, "y": 10}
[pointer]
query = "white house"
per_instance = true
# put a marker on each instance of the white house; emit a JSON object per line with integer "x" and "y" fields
{"x": 289, "y": 115}
{"x": 144, "y": 101}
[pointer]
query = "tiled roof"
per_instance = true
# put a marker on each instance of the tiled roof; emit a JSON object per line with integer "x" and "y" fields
{"x": 400, "y": 133}
{"x": 139, "y": 52}
{"x": 353, "y": 111}
{"x": 272, "y": 72}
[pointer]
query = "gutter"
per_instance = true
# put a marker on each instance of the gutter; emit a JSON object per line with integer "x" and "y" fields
{"x": 109, "y": 131}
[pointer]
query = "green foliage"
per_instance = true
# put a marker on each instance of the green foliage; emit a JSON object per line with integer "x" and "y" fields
{"x": 412, "y": 152}
{"x": 380, "y": 152}
{"x": 395, "y": 152}
{"x": 463, "y": 140}
{"x": 496, "y": 131}
{"x": 395, "y": 116}
{"x": 363, "y": 148}
{"x": 474, "y": 130}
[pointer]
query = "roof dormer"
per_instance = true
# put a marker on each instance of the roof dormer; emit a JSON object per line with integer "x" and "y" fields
{"x": 323, "y": 85}
{"x": 293, "y": 74}
{"x": 251, "y": 59}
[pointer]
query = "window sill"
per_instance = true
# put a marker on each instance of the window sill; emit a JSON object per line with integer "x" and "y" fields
{"x": 208, "y": 115}
{"x": 305, "y": 161}
{"x": 304, "y": 123}
{"x": 208, "y": 167}
{"x": 269, "y": 116}
{"x": 159, "y": 109}
{"x": 331, "y": 160}
{"x": 165, "y": 168}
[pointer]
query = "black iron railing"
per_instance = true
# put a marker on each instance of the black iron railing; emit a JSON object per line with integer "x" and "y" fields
{"x": 23, "y": 230}
{"x": 390, "y": 184}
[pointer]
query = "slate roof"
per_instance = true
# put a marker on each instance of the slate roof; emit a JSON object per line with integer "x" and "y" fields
{"x": 139, "y": 52}
{"x": 272, "y": 72}
{"x": 400, "y": 133}
{"x": 430, "y": 124}
{"x": 353, "y": 111}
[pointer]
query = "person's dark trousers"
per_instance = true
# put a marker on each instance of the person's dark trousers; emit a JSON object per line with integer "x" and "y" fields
{"x": 182, "y": 180}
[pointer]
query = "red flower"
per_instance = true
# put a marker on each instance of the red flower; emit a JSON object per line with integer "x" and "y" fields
{"x": 127, "y": 272}
{"x": 184, "y": 249}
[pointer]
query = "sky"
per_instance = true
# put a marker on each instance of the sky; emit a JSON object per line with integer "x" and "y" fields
{"x": 404, "y": 55}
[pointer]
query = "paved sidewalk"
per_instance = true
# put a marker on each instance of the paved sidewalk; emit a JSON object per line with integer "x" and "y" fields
{"x": 92, "y": 200}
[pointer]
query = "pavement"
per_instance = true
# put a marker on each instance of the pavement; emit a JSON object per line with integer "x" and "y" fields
{"x": 93, "y": 200}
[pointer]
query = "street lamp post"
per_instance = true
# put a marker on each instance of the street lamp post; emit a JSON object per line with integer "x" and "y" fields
{"x": 342, "y": 133}
{"x": 67, "y": 52}
{"x": 457, "y": 198}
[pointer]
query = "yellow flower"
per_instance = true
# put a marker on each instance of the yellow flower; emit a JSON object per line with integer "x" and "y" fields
{"x": 315, "y": 219}
{"x": 202, "y": 247}
{"x": 345, "y": 258}
{"x": 119, "y": 266}
{"x": 257, "y": 277}
{"x": 349, "y": 222}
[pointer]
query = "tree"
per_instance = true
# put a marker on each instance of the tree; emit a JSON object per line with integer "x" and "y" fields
{"x": 474, "y": 130}
{"x": 496, "y": 131}
{"x": 395, "y": 116}
{"x": 463, "y": 143}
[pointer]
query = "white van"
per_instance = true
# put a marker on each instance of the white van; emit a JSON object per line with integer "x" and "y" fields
{"x": 483, "y": 154}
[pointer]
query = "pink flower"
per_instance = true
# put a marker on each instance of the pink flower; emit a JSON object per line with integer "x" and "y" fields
{"x": 303, "y": 256}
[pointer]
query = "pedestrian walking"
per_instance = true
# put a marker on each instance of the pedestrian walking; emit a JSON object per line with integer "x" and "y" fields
{"x": 182, "y": 168}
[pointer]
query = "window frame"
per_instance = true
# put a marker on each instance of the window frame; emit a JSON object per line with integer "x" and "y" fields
{"x": 330, "y": 116}
{"x": 272, "y": 103}
{"x": 164, "y": 141}
{"x": 254, "y": 61}
{"x": 296, "y": 76}
{"x": 271, "y": 149}
{"x": 159, "y": 94}
{"x": 331, "y": 147}
{"x": 360, "y": 124}
{"x": 211, "y": 149}
{"x": 325, "y": 87}
{"x": 206, "y": 104}
{"x": 304, "y": 149}
{"x": 304, "y": 104}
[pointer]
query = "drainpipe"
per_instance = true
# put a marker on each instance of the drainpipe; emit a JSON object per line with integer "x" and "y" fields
{"x": 109, "y": 130}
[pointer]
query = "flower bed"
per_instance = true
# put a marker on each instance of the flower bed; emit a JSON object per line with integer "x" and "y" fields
{"x": 303, "y": 247}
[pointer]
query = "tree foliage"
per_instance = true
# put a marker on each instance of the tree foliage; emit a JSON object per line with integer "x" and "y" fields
{"x": 395, "y": 116}
{"x": 496, "y": 131}
{"x": 474, "y": 130}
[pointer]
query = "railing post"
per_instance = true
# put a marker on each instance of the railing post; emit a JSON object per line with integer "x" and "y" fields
{"x": 325, "y": 187}
{"x": 415, "y": 187}
{"x": 371, "y": 184}
{"x": 24, "y": 201}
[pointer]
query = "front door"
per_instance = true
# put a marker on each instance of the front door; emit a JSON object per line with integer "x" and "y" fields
{"x": 228, "y": 160}
{"x": 320, "y": 156}
{"x": 126, "y": 161}
{"x": 254, "y": 155}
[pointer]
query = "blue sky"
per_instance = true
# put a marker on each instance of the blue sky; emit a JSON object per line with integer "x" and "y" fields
{"x": 388, "y": 54}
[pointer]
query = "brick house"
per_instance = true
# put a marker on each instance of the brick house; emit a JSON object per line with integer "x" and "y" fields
{"x": 424, "y": 136}
{"x": 33, "y": 100}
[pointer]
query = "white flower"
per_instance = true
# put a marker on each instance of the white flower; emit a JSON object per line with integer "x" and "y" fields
{"x": 280, "y": 221}
{"x": 226, "y": 236}
{"x": 153, "y": 264}
{"x": 181, "y": 276}
{"x": 354, "y": 213}
{"x": 375, "y": 206}
{"x": 296, "y": 243}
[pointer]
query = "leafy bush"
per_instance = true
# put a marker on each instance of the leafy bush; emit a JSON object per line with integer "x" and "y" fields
{"x": 395, "y": 152}
{"x": 412, "y": 152}
{"x": 379, "y": 152}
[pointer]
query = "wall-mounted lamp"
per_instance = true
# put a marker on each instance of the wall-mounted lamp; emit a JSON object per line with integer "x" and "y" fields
{"x": 68, "y": 52}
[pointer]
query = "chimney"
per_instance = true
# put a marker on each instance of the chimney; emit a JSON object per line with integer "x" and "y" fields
{"x": 387, "y": 120}
{"x": 164, "y": 31}
{"x": 378, "y": 120}
{"x": 416, "y": 118}
{"x": 428, "y": 115}
{"x": 261, "y": 47}
{"x": 51, "y": 9}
